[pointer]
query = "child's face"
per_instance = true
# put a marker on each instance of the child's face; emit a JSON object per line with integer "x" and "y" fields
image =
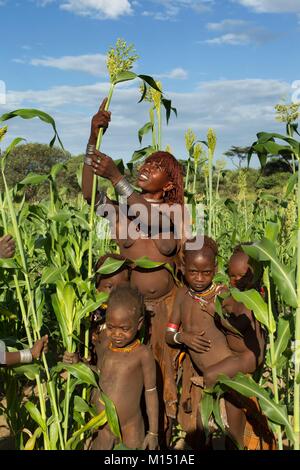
{"x": 199, "y": 270}
{"x": 240, "y": 272}
{"x": 107, "y": 283}
{"x": 122, "y": 326}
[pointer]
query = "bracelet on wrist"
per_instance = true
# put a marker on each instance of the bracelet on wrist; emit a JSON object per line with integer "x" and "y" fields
{"x": 124, "y": 188}
{"x": 90, "y": 149}
{"x": 175, "y": 338}
{"x": 154, "y": 434}
{"x": 25, "y": 356}
{"x": 88, "y": 160}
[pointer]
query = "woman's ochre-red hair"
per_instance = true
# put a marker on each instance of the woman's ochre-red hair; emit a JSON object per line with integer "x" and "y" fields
{"x": 174, "y": 171}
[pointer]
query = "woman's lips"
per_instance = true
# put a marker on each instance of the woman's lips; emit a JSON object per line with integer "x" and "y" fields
{"x": 143, "y": 177}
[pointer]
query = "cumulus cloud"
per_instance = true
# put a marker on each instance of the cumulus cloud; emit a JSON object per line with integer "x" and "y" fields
{"x": 237, "y": 109}
{"x": 238, "y": 32}
{"x": 94, "y": 64}
{"x": 176, "y": 74}
{"x": 272, "y": 6}
{"x": 100, "y": 9}
{"x": 231, "y": 39}
{"x": 226, "y": 24}
{"x": 172, "y": 8}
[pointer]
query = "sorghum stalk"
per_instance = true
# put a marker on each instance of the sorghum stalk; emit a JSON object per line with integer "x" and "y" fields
{"x": 297, "y": 331}
{"x": 272, "y": 355}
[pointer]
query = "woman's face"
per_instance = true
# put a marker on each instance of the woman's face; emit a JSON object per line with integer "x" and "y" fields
{"x": 152, "y": 178}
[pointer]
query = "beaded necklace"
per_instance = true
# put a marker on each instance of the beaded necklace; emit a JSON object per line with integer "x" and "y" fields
{"x": 126, "y": 348}
{"x": 200, "y": 296}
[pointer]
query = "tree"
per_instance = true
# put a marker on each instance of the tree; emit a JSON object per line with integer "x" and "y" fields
{"x": 239, "y": 153}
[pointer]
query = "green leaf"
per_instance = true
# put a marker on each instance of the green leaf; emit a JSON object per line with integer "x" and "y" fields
{"x": 246, "y": 386}
{"x": 60, "y": 216}
{"x": 32, "y": 113}
{"x": 33, "y": 178}
{"x": 264, "y": 250}
{"x": 144, "y": 130}
{"x": 283, "y": 338}
{"x": 291, "y": 184}
{"x": 32, "y": 440}
{"x": 81, "y": 405}
{"x": 94, "y": 423}
{"x": 217, "y": 414}
{"x": 56, "y": 169}
{"x": 82, "y": 372}
{"x": 168, "y": 107}
{"x": 53, "y": 435}
{"x": 254, "y": 301}
{"x": 35, "y": 414}
{"x": 91, "y": 305}
{"x": 29, "y": 370}
{"x": 272, "y": 231}
{"x": 206, "y": 408}
{"x": 145, "y": 263}
{"x": 110, "y": 266}
{"x": 8, "y": 263}
{"x": 51, "y": 274}
{"x": 142, "y": 153}
{"x": 124, "y": 77}
{"x": 112, "y": 417}
{"x": 150, "y": 81}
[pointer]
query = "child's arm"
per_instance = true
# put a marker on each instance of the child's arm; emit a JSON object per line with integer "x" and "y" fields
{"x": 149, "y": 375}
{"x": 194, "y": 341}
{"x": 240, "y": 317}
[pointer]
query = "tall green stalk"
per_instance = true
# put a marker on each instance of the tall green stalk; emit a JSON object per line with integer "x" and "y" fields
{"x": 297, "y": 331}
{"x": 272, "y": 354}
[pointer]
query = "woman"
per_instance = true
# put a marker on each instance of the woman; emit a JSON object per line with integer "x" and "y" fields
{"x": 155, "y": 234}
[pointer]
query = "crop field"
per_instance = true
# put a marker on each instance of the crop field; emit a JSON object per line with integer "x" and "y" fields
{"x": 48, "y": 287}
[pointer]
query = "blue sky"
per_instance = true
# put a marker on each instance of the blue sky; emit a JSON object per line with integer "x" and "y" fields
{"x": 224, "y": 64}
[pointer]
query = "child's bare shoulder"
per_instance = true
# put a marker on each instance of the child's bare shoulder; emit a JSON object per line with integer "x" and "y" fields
{"x": 145, "y": 351}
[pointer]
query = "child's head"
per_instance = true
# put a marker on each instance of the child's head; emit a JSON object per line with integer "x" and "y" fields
{"x": 105, "y": 283}
{"x": 200, "y": 266}
{"x": 240, "y": 271}
{"x": 124, "y": 315}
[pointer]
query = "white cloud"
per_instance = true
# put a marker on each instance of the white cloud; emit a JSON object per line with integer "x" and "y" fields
{"x": 238, "y": 33}
{"x": 94, "y": 64}
{"x": 237, "y": 109}
{"x": 176, "y": 74}
{"x": 99, "y": 9}
{"x": 272, "y": 6}
{"x": 231, "y": 39}
{"x": 226, "y": 24}
{"x": 172, "y": 8}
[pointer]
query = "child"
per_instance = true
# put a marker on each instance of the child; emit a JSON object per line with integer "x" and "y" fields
{"x": 24, "y": 356}
{"x": 127, "y": 367}
{"x": 202, "y": 333}
{"x": 250, "y": 348}
{"x": 104, "y": 283}
{"x": 249, "y": 352}
{"x": 194, "y": 315}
